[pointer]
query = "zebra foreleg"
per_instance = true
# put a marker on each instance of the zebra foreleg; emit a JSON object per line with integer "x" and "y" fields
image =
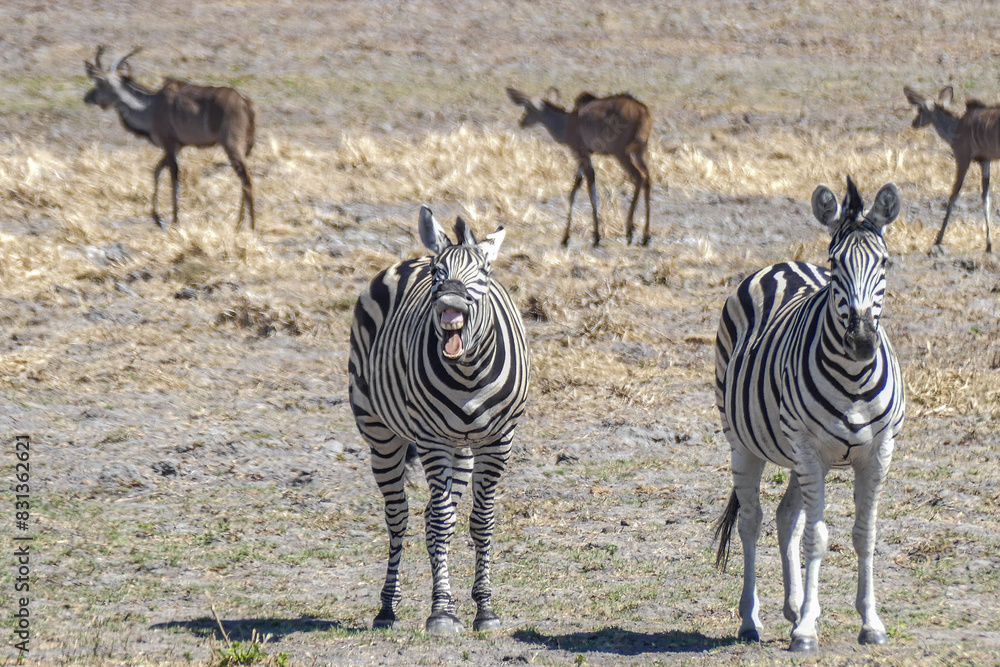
{"x": 867, "y": 487}
{"x": 389, "y": 466}
{"x": 791, "y": 523}
{"x": 439, "y": 520}
{"x": 812, "y": 483}
{"x": 488, "y": 469}
{"x": 747, "y": 471}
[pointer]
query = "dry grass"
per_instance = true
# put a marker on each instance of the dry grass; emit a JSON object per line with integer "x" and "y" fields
{"x": 224, "y": 353}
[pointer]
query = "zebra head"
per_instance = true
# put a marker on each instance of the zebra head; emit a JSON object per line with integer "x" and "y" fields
{"x": 460, "y": 311}
{"x": 858, "y": 255}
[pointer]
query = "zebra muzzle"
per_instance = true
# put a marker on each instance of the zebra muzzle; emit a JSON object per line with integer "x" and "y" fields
{"x": 452, "y": 322}
{"x": 861, "y": 338}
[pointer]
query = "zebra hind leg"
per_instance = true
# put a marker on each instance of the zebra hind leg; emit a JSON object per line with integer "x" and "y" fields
{"x": 489, "y": 466}
{"x": 791, "y": 523}
{"x": 388, "y": 461}
{"x": 747, "y": 472}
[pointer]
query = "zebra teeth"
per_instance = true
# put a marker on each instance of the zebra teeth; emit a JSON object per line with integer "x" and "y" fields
{"x": 452, "y": 320}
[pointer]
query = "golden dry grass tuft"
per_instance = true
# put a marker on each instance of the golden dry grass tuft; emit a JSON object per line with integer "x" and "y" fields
{"x": 221, "y": 355}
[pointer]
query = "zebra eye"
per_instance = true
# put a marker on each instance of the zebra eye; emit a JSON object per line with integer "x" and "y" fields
{"x": 440, "y": 274}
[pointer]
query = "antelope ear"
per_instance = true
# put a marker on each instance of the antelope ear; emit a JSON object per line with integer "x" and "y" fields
{"x": 825, "y": 207}
{"x": 519, "y": 98}
{"x": 914, "y": 98}
{"x": 886, "y": 207}
{"x": 944, "y": 97}
{"x": 431, "y": 233}
{"x": 490, "y": 247}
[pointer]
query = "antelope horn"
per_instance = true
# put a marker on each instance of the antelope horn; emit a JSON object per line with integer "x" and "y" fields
{"x": 119, "y": 61}
{"x": 97, "y": 58}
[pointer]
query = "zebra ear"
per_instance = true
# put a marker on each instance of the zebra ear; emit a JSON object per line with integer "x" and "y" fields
{"x": 825, "y": 207}
{"x": 431, "y": 233}
{"x": 463, "y": 233}
{"x": 886, "y": 206}
{"x": 491, "y": 246}
{"x": 944, "y": 97}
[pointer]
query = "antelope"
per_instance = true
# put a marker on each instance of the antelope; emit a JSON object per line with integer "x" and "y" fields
{"x": 179, "y": 114}
{"x": 974, "y": 136}
{"x": 618, "y": 125}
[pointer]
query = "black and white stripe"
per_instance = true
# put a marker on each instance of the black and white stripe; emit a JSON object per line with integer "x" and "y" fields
{"x": 439, "y": 367}
{"x": 807, "y": 379}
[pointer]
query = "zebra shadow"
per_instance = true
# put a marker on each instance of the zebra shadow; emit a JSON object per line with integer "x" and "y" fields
{"x": 242, "y": 629}
{"x": 618, "y": 641}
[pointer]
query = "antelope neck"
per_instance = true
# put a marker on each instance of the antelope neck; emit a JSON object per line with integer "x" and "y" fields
{"x": 946, "y": 124}
{"x": 555, "y": 121}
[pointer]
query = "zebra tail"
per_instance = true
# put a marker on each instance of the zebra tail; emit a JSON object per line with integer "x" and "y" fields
{"x": 724, "y": 530}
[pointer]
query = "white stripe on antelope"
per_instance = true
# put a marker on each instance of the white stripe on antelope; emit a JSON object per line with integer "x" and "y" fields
{"x": 806, "y": 378}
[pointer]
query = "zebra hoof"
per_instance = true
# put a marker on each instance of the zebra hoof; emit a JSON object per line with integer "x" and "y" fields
{"x": 444, "y": 624}
{"x": 384, "y": 621}
{"x": 486, "y": 621}
{"x": 804, "y": 645}
{"x": 876, "y": 637}
{"x": 749, "y": 636}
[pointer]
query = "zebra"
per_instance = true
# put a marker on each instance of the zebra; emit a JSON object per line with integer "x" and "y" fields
{"x": 439, "y": 370}
{"x": 806, "y": 378}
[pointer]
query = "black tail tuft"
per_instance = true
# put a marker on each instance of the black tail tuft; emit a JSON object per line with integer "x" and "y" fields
{"x": 724, "y": 530}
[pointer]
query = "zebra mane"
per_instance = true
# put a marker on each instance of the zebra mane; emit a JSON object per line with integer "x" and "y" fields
{"x": 853, "y": 208}
{"x": 463, "y": 233}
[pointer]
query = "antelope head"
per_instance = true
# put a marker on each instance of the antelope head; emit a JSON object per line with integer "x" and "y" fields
{"x": 534, "y": 111}
{"x": 926, "y": 105}
{"x": 108, "y": 87}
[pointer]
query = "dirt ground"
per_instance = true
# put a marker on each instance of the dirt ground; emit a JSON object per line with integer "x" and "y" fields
{"x": 184, "y": 390}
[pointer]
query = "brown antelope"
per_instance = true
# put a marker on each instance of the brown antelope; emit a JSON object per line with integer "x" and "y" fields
{"x": 178, "y": 114}
{"x": 618, "y": 125}
{"x": 974, "y": 136}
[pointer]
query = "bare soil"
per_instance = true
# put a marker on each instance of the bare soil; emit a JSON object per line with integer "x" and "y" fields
{"x": 185, "y": 390}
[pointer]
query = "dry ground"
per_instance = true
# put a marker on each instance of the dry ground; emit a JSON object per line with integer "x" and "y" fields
{"x": 184, "y": 390}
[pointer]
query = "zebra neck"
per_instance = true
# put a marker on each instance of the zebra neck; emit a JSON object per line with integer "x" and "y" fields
{"x": 482, "y": 353}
